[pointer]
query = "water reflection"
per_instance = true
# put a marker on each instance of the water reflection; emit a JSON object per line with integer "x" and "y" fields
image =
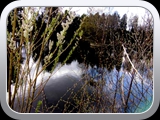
{"x": 128, "y": 87}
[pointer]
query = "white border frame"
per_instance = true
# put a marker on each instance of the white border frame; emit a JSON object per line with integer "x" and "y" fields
{"x": 80, "y": 116}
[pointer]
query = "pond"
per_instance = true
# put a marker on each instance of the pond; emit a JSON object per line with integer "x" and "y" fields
{"x": 123, "y": 91}
{"x": 138, "y": 92}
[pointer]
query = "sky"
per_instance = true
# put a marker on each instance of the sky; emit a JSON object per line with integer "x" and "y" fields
{"x": 130, "y": 11}
{"x": 121, "y": 10}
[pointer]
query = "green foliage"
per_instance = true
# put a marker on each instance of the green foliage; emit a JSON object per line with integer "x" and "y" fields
{"x": 28, "y": 36}
{"x": 39, "y": 104}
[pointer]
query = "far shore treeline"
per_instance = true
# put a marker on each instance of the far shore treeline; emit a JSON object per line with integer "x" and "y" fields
{"x": 102, "y": 39}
